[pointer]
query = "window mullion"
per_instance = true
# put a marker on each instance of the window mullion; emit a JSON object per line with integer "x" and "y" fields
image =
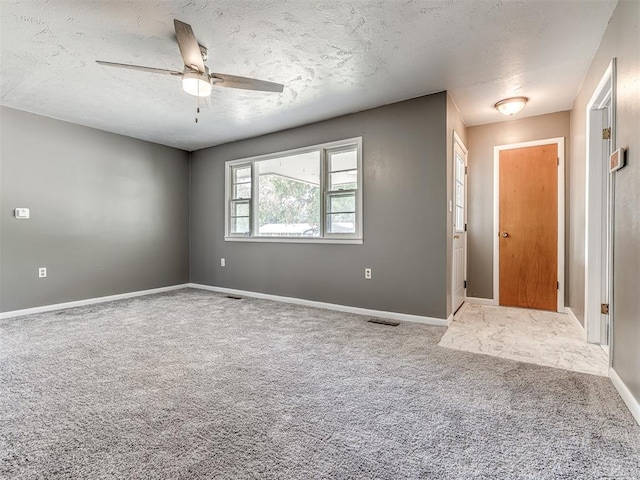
{"x": 253, "y": 204}
{"x": 323, "y": 191}
{"x": 228, "y": 196}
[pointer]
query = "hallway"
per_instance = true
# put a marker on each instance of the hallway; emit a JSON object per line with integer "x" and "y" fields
{"x": 544, "y": 338}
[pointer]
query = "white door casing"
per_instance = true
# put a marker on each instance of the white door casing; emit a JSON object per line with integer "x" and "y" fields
{"x": 599, "y": 218}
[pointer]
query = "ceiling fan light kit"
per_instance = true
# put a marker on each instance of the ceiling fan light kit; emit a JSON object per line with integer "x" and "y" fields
{"x": 196, "y": 84}
{"x": 511, "y": 106}
{"x": 196, "y": 78}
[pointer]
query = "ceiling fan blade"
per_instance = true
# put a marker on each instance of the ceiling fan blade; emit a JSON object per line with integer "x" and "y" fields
{"x": 189, "y": 48}
{"x": 232, "y": 81}
{"x": 139, "y": 67}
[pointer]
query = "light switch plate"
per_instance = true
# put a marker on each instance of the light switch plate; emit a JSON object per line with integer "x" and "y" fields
{"x": 21, "y": 213}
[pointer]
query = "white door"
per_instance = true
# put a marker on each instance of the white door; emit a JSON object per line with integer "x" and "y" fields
{"x": 459, "y": 221}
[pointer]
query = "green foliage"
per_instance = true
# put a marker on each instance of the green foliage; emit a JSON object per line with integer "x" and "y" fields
{"x": 286, "y": 201}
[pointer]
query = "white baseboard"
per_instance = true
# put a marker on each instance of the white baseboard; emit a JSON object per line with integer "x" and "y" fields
{"x": 327, "y": 306}
{"x": 449, "y": 319}
{"x": 88, "y": 301}
{"x": 480, "y": 301}
{"x": 626, "y": 395}
{"x": 573, "y": 317}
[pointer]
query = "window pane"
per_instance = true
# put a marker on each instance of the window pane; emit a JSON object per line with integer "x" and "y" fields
{"x": 459, "y": 194}
{"x": 343, "y": 180}
{"x": 289, "y": 196}
{"x": 242, "y": 190}
{"x": 341, "y": 203}
{"x": 459, "y": 168}
{"x": 240, "y": 209}
{"x": 241, "y": 174}
{"x": 240, "y": 225}
{"x": 459, "y": 219}
{"x": 341, "y": 223}
{"x": 345, "y": 160}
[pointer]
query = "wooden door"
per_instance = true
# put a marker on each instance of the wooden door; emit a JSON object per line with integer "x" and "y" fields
{"x": 529, "y": 227}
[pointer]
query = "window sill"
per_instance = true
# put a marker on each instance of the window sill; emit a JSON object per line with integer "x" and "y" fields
{"x": 344, "y": 241}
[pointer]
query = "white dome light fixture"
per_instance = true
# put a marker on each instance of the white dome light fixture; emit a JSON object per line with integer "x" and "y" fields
{"x": 511, "y": 106}
{"x": 196, "y": 83}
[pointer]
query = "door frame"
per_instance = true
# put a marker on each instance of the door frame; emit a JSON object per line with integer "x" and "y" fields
{"x": 559, "y": 141}
{"x": 593, "y": 208}
{"x": 458, "y": 141}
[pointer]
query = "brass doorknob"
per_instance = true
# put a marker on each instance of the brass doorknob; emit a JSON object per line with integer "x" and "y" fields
{"x": 456, "y": 236}
{"x": 505, "y": 234}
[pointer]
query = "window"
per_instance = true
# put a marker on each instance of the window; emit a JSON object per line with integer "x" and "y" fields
{"x": 312, "y": 194}
{"x": 459, "y": 193}
{"x": 241, "y": 200}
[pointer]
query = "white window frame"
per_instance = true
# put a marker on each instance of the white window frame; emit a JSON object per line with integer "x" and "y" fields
{"x": 336, "y": 146}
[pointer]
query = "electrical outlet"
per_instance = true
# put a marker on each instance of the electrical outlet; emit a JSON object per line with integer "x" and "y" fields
{"x": 367, "y": 273}
{"x": 223, "y": 263}
{"x": 42, "y": 272}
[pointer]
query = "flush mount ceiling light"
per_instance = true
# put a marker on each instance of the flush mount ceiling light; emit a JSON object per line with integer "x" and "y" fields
{"x": 511, "y": 106}
{"x": 196, "y": 84}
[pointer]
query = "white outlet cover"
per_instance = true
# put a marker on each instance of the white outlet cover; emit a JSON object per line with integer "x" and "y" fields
{"x": 21, "y": 213}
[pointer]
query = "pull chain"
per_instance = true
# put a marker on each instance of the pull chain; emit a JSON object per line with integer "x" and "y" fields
{"x": 197, "y": 101}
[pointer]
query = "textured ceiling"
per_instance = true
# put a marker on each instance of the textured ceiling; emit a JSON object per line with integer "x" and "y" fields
{"x": 334, "y": 57}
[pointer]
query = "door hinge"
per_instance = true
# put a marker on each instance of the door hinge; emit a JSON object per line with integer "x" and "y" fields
{"x": 606, "y": 133}
{"x": 557, "y": 285}
{"x": 466, "y": 170}
{"x": 465, "y": 284}
{"x": 604, "y": 308}
{"x": 558, "y": 160}
{"x": 465, "y": 227}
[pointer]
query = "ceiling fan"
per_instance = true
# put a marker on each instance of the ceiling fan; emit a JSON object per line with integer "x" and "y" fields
{"x": 196, "y": 78}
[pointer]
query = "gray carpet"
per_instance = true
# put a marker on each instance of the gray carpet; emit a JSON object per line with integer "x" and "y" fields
{"x": 191, "y": 384}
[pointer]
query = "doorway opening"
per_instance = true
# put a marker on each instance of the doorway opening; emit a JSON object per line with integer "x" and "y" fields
{"x": 599, "y": 212}
{"x": 528, "y": 249}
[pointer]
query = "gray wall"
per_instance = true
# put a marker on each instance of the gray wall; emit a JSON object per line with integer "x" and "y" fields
{"x": 405, "y": 216}
{"x": 481, "y": 140}
{"x": 109, "y": 214}
{"x": 454, "y": 123}
{"x": 621, "y": 40}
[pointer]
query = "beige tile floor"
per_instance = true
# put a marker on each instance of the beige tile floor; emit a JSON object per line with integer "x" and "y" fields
{"x": 544, "y": 338}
